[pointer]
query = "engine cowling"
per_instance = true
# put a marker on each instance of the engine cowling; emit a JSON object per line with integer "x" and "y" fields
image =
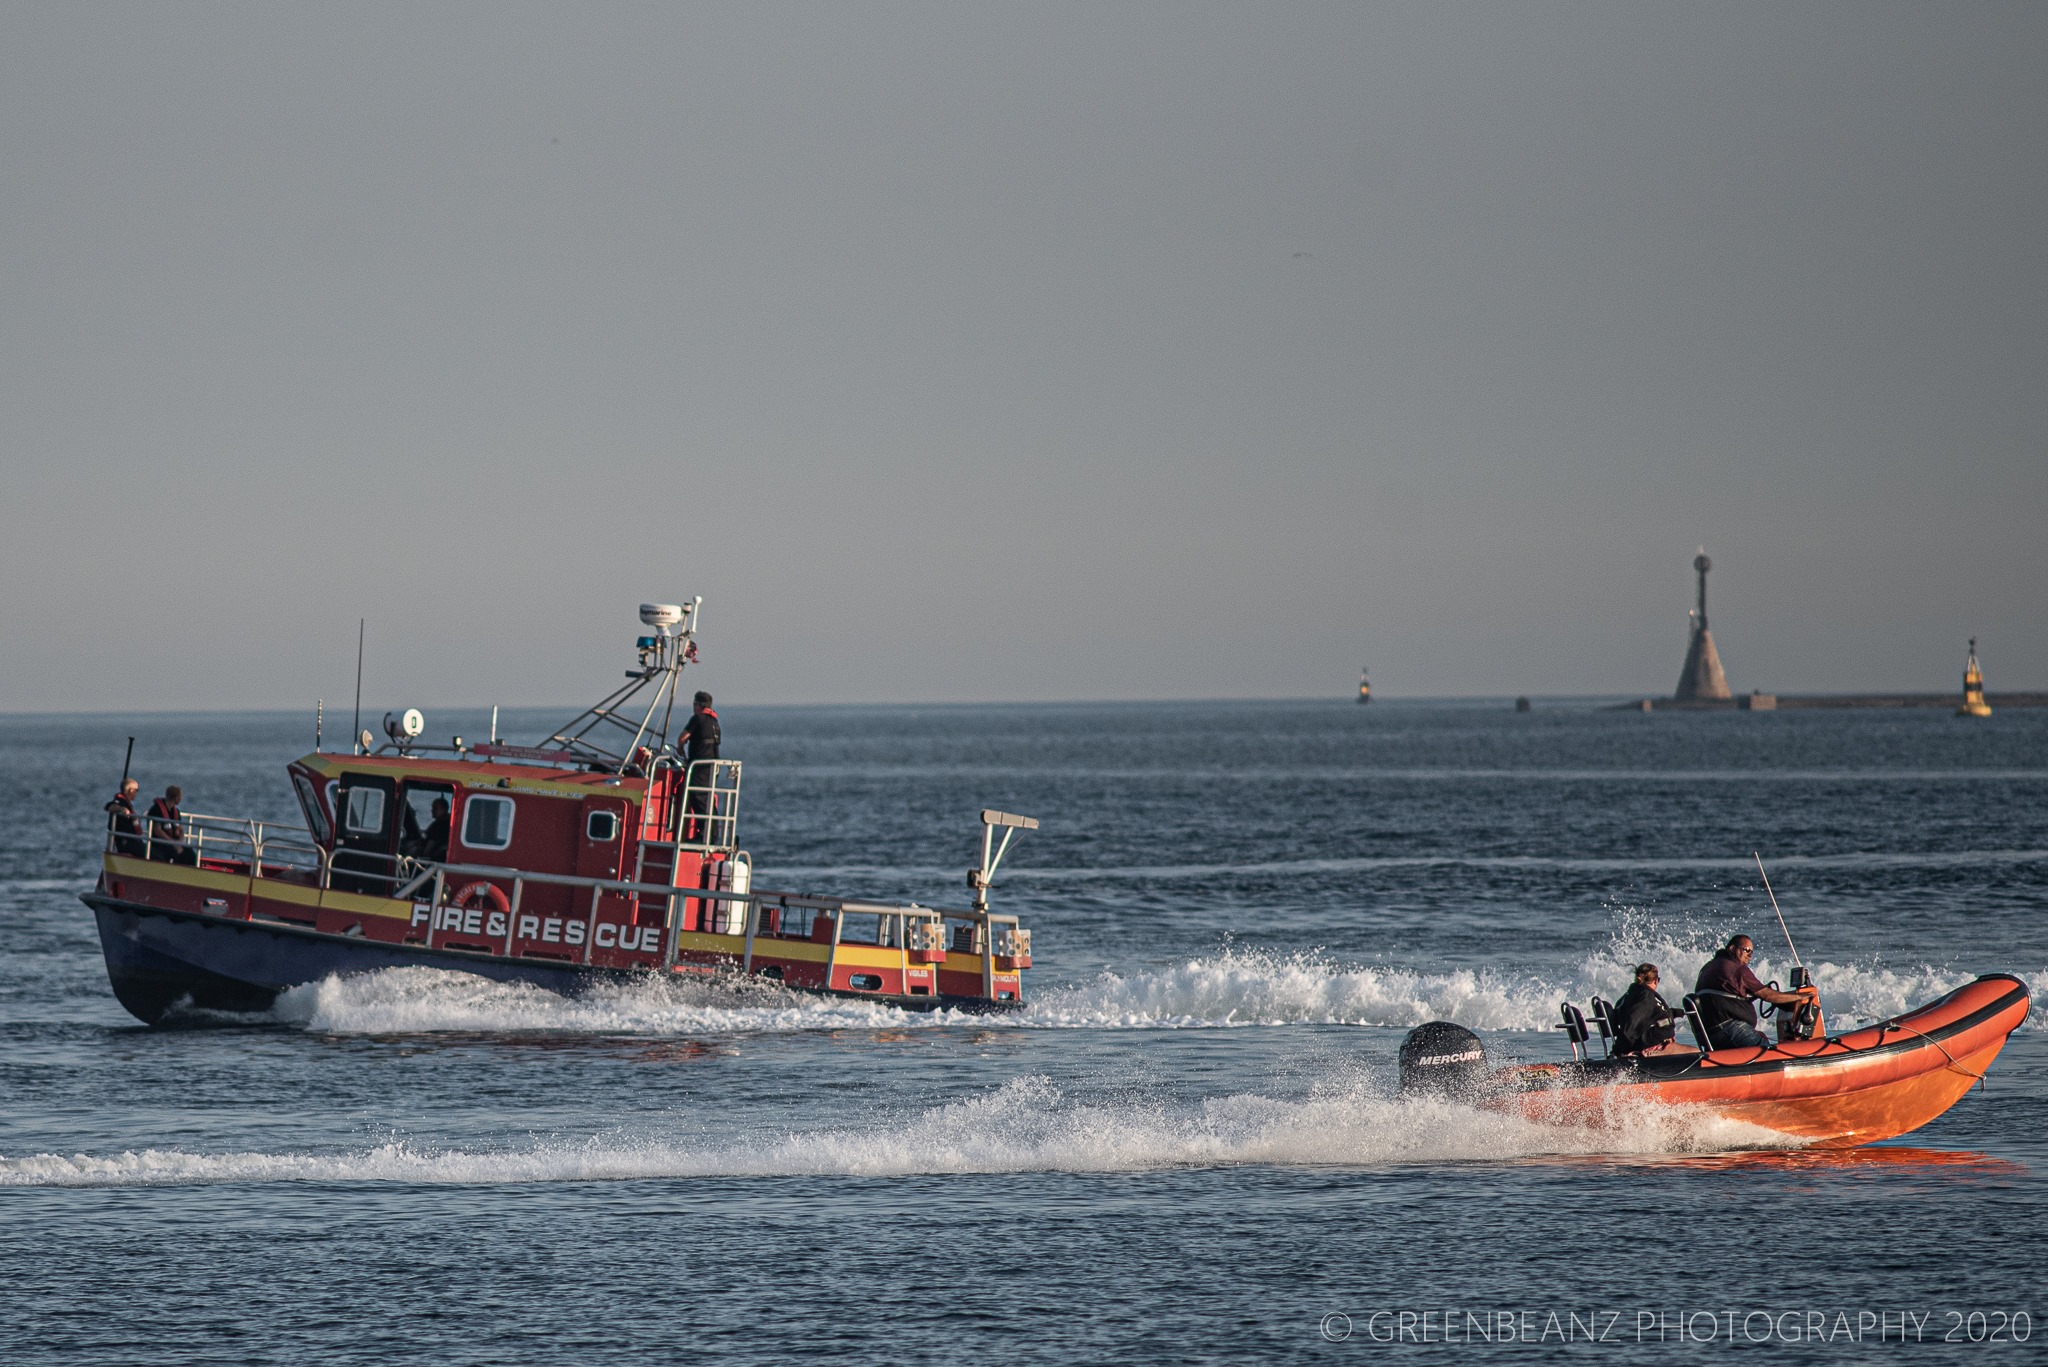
{"x": 1442, "y": 1059}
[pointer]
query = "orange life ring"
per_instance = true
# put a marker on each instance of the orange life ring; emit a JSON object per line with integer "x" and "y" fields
{"x": 491, "y": 894}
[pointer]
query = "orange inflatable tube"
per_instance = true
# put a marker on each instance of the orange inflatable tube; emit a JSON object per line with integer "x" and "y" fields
{"x": 1875, "y": 1083}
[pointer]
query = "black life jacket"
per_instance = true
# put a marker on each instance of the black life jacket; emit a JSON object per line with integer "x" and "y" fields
{"x": 122, "y": 813}
{"x": 703, "y": 735}
{"x": 1642, "y": 1020}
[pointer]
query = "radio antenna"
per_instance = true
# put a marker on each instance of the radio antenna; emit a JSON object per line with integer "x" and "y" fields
{"x": 1774, "y": 907}
{"x": 355, "y": 741}
{"x": 128, "y": 761}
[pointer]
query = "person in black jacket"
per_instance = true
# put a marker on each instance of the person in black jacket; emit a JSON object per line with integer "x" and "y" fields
{"x": 127, "y": 832}
{"x": 700, "y": 737}
{"x": 1642, "y": 1019}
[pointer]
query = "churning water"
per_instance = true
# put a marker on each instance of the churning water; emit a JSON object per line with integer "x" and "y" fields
{"x": 1188, "y": 1146}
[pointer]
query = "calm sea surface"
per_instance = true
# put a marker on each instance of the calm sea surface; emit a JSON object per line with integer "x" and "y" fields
{"x": 1186, "y": 1149}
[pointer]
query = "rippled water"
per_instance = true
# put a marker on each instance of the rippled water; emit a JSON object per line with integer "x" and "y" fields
{"x": 1186, "y": 1148}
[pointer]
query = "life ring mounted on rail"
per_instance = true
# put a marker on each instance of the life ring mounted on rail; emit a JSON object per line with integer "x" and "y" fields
{"x": 480, "y": 895}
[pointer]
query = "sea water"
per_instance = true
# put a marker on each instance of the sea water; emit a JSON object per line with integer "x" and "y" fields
{"x": 1188, "y": 1147}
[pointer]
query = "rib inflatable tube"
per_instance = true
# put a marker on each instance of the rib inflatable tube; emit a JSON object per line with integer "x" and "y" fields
{"x": 1835, "y": 1092}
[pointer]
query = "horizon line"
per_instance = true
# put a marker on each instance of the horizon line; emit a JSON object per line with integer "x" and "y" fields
{"x": 1337, "y": 698}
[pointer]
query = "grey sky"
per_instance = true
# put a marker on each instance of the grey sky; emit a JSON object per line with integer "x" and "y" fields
{"x": 1041, "y": 351}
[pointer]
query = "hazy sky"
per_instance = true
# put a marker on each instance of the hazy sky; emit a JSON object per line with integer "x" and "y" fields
{"x": 1036, "y": 351}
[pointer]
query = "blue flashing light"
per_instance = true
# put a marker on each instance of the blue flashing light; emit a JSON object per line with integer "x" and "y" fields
{"x": 646, "y": 643}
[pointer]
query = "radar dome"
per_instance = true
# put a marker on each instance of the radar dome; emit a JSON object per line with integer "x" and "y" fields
{"x": 662, "y": 615}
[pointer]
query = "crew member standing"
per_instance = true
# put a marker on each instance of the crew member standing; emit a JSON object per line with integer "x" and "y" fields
{"x": 700, "y": 742}
{"x": 121, "y": 820}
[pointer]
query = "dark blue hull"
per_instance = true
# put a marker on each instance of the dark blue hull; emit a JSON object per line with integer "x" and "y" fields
{"x": 158, "y": 960}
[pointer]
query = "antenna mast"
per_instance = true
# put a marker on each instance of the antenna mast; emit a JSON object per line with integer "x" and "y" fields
{"x": 663, "y": 657}
{"x": 356, "y": 726}
{"x": 1774, "y": 907}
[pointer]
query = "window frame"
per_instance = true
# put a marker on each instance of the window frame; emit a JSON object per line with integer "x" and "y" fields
{"x": 348, "y": 816}
{"x": 511, "y": 818}
{"x": 591, "y": 818}
{"x": 316, "y": 815}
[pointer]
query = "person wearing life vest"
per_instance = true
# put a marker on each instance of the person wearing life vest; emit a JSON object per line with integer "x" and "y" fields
{"x": 1642, "y": 1018}
{"x": 167, "y": 829}
{"x": 1728, "y": 993}
{"x": 127, "y": 831}
{"x": 700, "y": 741}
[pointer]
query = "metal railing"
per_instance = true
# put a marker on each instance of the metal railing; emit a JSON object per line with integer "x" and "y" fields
{"x": 261, "y": 845}
{"x": 703, "y": 812}
{"x": 268, "y": 849}
{"x": 989, "y": 929}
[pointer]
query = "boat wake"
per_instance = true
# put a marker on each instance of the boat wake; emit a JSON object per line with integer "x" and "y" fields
{"x": 1241, "y": 987}
{"x": 1026, "y": 1125}
{"x": 404, "y": 1001}
{"x": 1231, "y": 988}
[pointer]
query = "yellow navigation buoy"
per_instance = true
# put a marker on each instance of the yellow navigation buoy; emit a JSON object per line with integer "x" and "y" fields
{"x": 1973, "y": 687}
{"x": 1364, "y": 687}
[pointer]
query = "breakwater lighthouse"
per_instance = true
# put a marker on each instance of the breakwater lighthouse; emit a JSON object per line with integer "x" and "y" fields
{"x": 1702, "y": 679}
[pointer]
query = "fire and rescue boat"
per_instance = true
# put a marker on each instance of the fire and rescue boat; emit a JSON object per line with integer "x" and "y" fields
{"x": 601, "y": 853}
{"x": 1829, "y": 1092}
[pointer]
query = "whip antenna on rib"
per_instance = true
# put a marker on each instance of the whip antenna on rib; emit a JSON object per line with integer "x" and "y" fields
{"x": 1774, "y": 907}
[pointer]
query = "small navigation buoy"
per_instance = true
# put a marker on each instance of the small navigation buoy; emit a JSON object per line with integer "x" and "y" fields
{"x": 1364, "y": 687}
{"x": 1973, "y": 687}
{"x": 1521, "y": 704}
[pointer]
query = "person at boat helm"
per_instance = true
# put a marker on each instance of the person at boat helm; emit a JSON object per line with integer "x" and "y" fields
{"x": 1642, "y": 1018}
{"x": 121, "y": 820}
{"x": 1728, "y": 993}
{"x": 167, "y": 829}
{"x": 434, "y": 844}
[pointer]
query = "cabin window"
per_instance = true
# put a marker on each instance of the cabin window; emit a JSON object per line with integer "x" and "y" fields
{"x": 487, "y": 822}
{"x": 316, "y": 815}
{"x": 602, "y": 827}
{"x": 365, "y": 811}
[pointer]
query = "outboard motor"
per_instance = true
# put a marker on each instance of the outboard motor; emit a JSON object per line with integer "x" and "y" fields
{"x": 1442, "y": 1059}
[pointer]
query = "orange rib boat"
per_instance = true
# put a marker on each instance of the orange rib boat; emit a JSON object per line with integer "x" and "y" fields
{"x": 1875, "y": 1083}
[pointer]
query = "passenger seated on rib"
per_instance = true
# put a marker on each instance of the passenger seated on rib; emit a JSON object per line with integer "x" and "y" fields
{"x": 1642, "y": 1018}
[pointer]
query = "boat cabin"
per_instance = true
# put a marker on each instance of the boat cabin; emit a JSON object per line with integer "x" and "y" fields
{"x": 505, "y": 859}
